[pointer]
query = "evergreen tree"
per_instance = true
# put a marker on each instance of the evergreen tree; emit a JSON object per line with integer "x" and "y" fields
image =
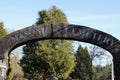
{"x": 50, "y": 56}
{"x": 83, "y": 69}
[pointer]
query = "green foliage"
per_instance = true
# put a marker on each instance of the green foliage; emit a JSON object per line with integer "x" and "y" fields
{"x": 83, "y": 69}
{"x": 102, "y": 73}
{"x": 3, "y": 31}
{"x": 29, "y": 60}
{"x": 57, "y": 16}
{"x": 52, "y": 16}
{"x": 43, "y": 17}
{"x": 18, "y": 74}
{"x": 58, "y": 54}
{"x": 47, "y": 57}
{"x": 11, "y": 73}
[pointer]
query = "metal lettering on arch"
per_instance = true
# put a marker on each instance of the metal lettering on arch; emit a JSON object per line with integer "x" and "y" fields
{"x": 59, "y": 31}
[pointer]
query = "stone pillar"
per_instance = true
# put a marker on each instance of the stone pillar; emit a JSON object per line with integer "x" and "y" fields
{"x": 3, "y": 68}
{"x": 116, "y": 62}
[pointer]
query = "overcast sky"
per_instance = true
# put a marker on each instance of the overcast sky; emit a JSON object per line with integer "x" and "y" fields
{"x": 103, "y": 15}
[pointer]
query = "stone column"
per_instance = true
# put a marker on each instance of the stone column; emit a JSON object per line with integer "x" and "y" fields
{"x": 116, "y": 70}
{"x": 116, "y": 62}
{"x": 3, "y": 68}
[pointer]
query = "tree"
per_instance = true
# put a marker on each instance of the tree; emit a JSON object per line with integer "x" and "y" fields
{"x": 52, "y": 16}
{"x": 17, "y": 70}
{"x": 102, "y": 72}
{"x": 99, "y": 54}
{"x": 3, "y": 31}
{"x": 96, "y": 52}
{"x": 83, "y": 69}
{"x": 50, "y": 56}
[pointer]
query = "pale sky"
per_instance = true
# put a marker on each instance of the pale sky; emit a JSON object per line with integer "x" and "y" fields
{"x": 103, "y": 15}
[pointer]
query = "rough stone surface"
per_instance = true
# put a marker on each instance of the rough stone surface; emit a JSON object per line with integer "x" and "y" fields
{"x": 62, "y": 31}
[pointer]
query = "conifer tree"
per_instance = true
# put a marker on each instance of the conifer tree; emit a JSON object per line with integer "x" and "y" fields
{"x": 83, "y": 69}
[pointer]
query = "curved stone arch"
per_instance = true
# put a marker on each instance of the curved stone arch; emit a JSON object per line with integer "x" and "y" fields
{"x": 62, "y": 31}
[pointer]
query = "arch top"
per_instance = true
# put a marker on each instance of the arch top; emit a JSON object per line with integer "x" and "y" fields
{"x": 59, "y": 31}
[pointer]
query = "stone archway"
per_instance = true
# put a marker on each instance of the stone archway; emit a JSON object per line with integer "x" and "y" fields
{"x": 61, "y": 31}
